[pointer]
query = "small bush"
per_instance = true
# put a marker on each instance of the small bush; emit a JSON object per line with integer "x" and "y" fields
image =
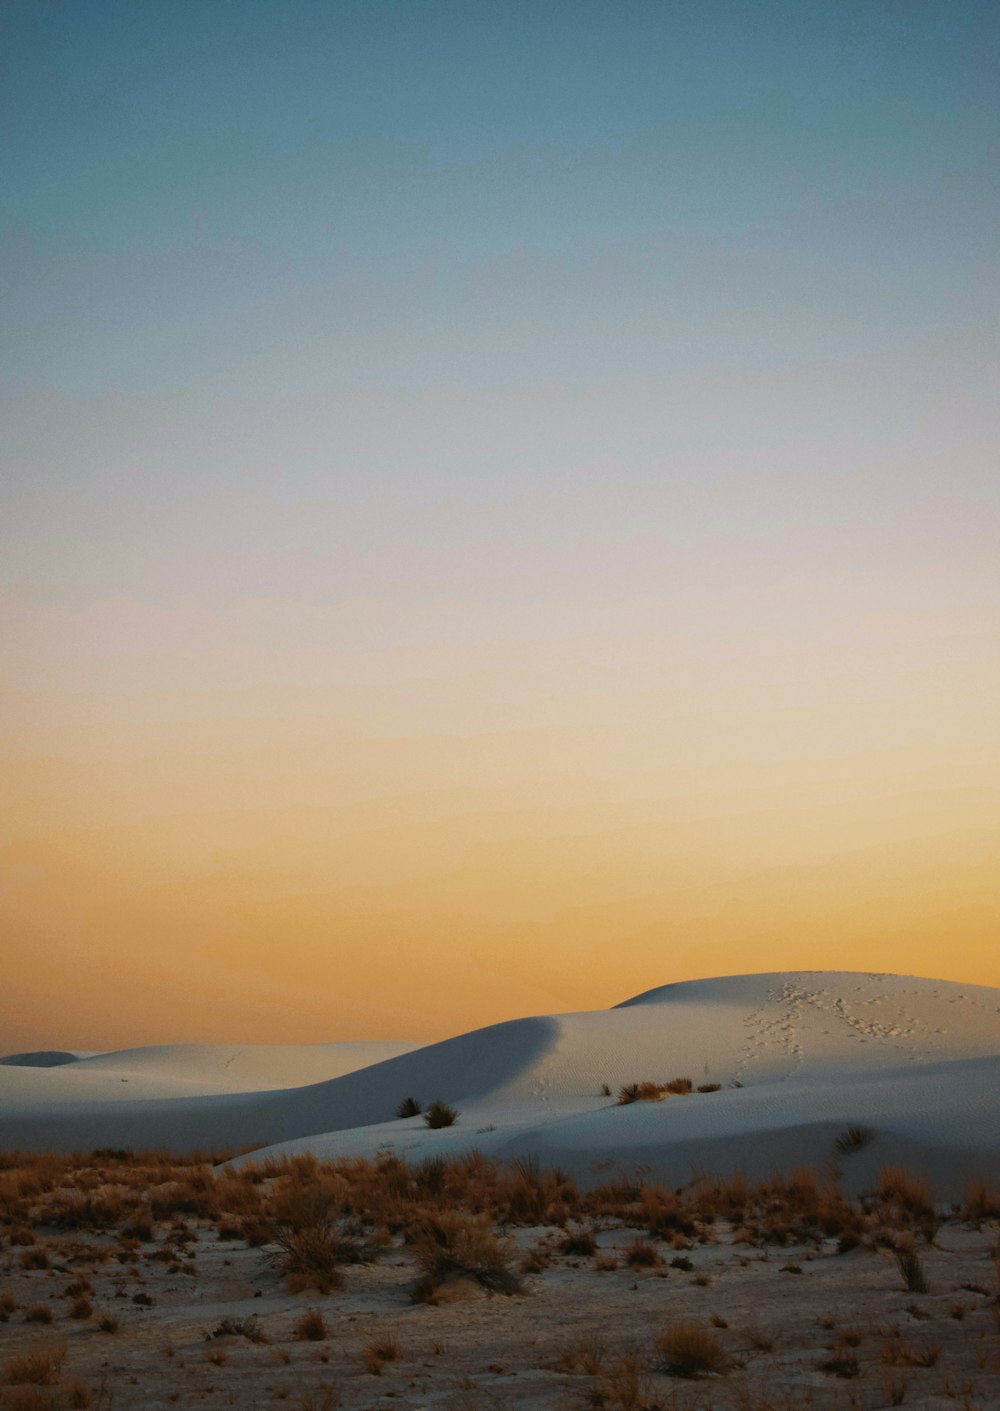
{"x": 640, "y": 1092}
{"x": 709, "y": 1087}
{"x": 641, "y": 1255}
{"x": 38, "y": 1367}
{"x": 34, "y": 1258}
{"x": 108, "y": 1323}
{"x": 439, "y": 1114}
{"x": 409, "y": 1107}
{"x": 454, "y": 1246}
{"x": 311, "y": 1327}
{"x": 680, "y": 1086}
{"x": 81, "y": 1307}
{"x": 579, "y": 1242}
{"x": 247, "y": 1328}
{"x": 853, "y": 1139}
{"x": 912, "y": 1271}
{"x": 840, "y": 1365}
{"x": 378, "y": 1353}
{"x": 691, "y": 1351}
{"x": 38, "y": 1313}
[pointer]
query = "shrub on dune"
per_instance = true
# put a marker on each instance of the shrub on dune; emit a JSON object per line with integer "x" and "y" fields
{"x": 439, "y": 1114}
{"x": 409, "y": 1107}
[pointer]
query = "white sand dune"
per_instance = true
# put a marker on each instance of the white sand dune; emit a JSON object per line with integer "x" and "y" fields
{"x": 813, "y": 1052}
{"x": 180, "y": 1070}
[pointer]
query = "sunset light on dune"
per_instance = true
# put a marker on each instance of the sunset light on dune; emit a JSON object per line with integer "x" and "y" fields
{"x": 500, "y": 509}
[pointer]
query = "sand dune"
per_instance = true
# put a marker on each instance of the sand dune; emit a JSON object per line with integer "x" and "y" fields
{"x": 799, "y": 1056}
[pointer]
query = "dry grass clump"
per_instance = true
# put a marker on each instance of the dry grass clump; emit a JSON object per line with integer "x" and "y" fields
{"x": 308, "y": 1232}
{"x": 38, "y": 1313}
{"x": 378, "y": 1353}
{"x": 26, "y": 1398}
{"x": 247, "y": 1328}
{"x": 853, "y": 1139}
{"x": 409, "y": 1107}
{"x": 623, "y": 1385}
{"x": 690, "y": 1350}
{"x": 81, "y": 1308}
{"x": 311, "y": 1327}
{"x": 641, "y": 1092}
{"x": 641, "y": 1255}
{"x": 579, "y": 1242}
{"x": 912, "y": 1271}
{"x": 39, "y": 1366}
{"x": 981, "y": 1202}
{"x": 35, "y": 1257}
{"x": 907, "y": 1194}
{"x": 8, "y": 1304}
{"x": 451, "y": 1247}
{"x": 439, "y": 1114}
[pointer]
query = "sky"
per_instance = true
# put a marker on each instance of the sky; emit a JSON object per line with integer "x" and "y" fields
{"x": 500, "y": 507}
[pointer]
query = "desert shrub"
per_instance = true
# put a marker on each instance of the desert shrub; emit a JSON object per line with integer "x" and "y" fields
{"x": 77, "y": 1396}
{"x": 34, "y": 1257}
{"x": 452, "y": 1246}
{"x": 378, "y": 1353}
{"x": 439, "y": 1114}
{"x": 26, "y": 1398}
{"x": 39, "y": 1366}
{"x": 311, "y": 1327}
{"x": 579, "y": 1242}
{"x": 840, "y": 1364}
{"x": 679, "y": 1086}
{"x": 853, "y": 1139}
{"x": 81, "y": 1307}
{"x": 640, "y": 1255}
{"x": 908, "y": 1193}
{"x": 247, "y": 1328}
{"x": 709, "y": 1087}
{"x": 623, "y": 1385}
{"x": 981, "y": 1202}
{"x": 912, "y": 1271}
{"x": 108, "y": 1323}
{"x": 8, "y": 1304}
{"x": 409, "y": 1107}
{"x": 309, "y": 1234}
{"x": 38, "y": 1313}
{"x": 640, "y": 1092}
{"x": 691, "y": 1351}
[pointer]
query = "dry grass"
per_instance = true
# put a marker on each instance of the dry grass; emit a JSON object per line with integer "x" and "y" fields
{"x": 377, "y": 1354}
{"x": 37, "y": 1367}
{"x": 690, "y": 1350}
{"x": 452, "y": 1247}
{"x": 311, "y": 1327}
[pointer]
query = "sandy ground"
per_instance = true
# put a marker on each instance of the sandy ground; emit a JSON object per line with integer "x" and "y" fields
{"x": 520, "y": 1351}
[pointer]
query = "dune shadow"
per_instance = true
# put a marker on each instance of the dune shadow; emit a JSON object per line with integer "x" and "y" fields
{"x": 452, "y": 1071}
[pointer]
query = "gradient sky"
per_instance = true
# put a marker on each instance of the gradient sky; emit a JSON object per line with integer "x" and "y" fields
{"x": 501, "y": 507}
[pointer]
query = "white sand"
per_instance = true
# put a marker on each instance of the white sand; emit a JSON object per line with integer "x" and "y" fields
{"x": 918, "y": 1060}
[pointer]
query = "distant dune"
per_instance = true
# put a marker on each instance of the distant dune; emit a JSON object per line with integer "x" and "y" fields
{"x": 798, "y": 1057}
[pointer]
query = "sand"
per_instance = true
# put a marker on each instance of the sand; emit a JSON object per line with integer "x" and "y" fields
{"x": 798, "y": 1055}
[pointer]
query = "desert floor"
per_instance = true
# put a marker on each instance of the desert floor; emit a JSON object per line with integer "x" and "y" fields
{"x": 799, "y": 1326}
